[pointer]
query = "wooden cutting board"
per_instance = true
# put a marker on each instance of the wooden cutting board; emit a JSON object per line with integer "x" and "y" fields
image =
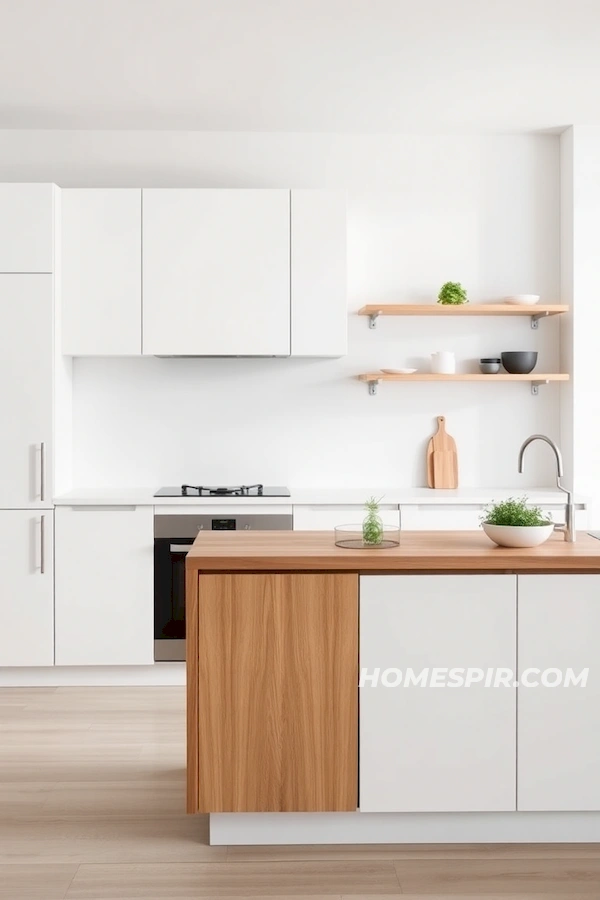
{"x": 442, "y": 459}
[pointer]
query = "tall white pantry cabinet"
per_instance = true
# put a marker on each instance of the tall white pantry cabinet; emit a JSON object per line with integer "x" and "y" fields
{"x": 27, "y": 449}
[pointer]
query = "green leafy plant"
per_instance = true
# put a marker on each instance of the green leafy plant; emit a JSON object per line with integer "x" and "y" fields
{"x": 452, "y": 294}
{"x": 372, "y": 527}
{"x": 514, "y": 511}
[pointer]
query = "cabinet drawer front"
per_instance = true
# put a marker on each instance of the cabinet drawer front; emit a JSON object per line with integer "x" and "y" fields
{"x": 437, "y": 749}
{"x": 27, "y": 228}
{"x": 325, "y": 518}
{"x": 105, "y": 604}
{"x": 101, "y": 290}
{"x": 441, "y": 517}
{"x": 274, "y": 670}
{"x": 319, "y": 295}
{"x": 26, "y": 588}
{"x": 26, "y": 366}
{"x": 558, "y": 727}
{"x": 216, "y": 272}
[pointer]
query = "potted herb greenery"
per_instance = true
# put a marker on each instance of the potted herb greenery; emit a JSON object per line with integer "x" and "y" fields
{"x": 452, "y": 294}
{"x": 372, "y": 526}
{"x": 512, "y": 523}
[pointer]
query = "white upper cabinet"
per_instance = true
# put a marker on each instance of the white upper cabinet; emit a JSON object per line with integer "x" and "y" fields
{"x": 104, "y": 615}
{"x": 101, "y": 289}
{"x": 318, "y": 277}
{"x": 26, "y": 588}
{"x": 437, "y": 749}
{"x": 27, "y": 228}
{"x": 558, "y": 726}
{"x": 26, "y": 391}
{"x": 216, "y": 272}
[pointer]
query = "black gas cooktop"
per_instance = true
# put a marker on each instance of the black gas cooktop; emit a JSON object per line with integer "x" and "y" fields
{"x": 240, "y": 490}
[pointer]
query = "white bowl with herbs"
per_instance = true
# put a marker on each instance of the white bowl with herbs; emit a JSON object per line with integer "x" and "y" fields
{"x": 371, "y": 534}
{"x": 514, "y": 523}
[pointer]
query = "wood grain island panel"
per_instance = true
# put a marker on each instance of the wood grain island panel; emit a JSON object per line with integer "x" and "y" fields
{"x": 272, "y": 693}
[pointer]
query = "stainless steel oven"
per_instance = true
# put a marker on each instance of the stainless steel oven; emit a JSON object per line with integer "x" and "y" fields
{"x": 173, "y": 536}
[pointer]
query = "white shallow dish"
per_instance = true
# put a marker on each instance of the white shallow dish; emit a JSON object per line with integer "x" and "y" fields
{"x": 398, "y": 371}
{"x": 523, "y": 299}
{"x": 517, "y": 535}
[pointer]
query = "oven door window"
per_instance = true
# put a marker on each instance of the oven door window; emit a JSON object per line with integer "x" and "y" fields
{"x": 169, "y": 588}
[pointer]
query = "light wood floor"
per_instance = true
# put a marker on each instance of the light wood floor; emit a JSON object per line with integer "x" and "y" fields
{"x": 91, "y": 800}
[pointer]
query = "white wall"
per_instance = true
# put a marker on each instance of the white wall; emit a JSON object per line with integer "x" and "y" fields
{"x": 422, "y": 210}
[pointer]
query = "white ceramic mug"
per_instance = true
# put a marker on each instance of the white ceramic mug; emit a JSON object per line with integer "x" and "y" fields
{"x": 443, "y": 362}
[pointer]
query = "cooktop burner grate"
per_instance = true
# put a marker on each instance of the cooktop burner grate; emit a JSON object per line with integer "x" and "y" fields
{"x": 241, "y": 490}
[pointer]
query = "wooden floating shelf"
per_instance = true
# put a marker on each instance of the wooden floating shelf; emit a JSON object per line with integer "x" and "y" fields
{"x": 535, "y": 312}
{"x": 534, "y": 378}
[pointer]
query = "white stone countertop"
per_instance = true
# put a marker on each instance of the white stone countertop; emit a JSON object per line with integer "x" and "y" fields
{"x": 390, "y": 496}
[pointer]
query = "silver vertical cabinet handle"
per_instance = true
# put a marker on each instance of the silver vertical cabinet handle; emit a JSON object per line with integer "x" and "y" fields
{"x": 42, "y": 545}
{"x": 43, "y": 472}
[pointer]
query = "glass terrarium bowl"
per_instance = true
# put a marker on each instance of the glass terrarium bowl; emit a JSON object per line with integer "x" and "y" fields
{"x": 351, "y": 537}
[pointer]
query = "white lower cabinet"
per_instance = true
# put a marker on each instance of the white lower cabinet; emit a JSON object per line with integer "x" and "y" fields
{"x": 104, "y": 586}
{"x": 26, "y": 588}
{"x": 325, "y": 518}
{"x": 434, "y": 749}
{"x": 467, "y": 516}
{"x": 559, "y": 727}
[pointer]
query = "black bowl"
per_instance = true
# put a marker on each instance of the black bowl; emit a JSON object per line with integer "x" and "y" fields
{"x": 490, "y": 359}
{"x": 519, "y": 362}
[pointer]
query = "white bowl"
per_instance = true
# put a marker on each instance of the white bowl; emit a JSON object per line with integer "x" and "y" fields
{"x": 398, "y": 371}
{"x": 523, "y": 299}
{"x": 518, "y": 535}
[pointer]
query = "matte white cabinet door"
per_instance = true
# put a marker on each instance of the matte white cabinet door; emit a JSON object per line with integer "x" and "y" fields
{"x": 101, "y": 284}
{"x": 104, "y": 586}
{"x": 26, "y": 391}
{"x": 440, "y": 517}
{"x": 559, "y": 727}
{"x": 434, "y": 749}
{"x": 216, "y": 272}
{"x": 27, "y": 228}
{"x": 325, "y": 518}
{"x": 319, "y": 295}
{"x": 26, "y": 588}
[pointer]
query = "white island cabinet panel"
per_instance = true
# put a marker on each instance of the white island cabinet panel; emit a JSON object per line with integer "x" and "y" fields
{"x": 26, "y": 588}
{"x": 27, "y": 228}
{"x": 26, "y": 393}
{"x": 216, "y": 272}
{"x": 559, "y": 727}
{"x": 437, "y": 749}
{"x": 319, "y": 294}
{"x": 101, "y": 287}
{"x": 104, "y": 586}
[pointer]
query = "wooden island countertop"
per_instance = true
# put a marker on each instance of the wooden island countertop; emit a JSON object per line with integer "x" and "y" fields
{"x": 419, "y": 551}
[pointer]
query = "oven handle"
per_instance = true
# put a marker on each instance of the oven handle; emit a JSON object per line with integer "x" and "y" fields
{"x": 180, "y": 548}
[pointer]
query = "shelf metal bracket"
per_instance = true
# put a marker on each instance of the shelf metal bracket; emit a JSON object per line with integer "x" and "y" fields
{"x": 372, "y": 387}
{"x": 535, "y": 387}
{"x": 535, "y": 320}
{"x": 373, "y": 319}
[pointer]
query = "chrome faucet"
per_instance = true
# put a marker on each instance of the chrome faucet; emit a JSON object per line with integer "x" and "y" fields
{"x": 568, "y": 529}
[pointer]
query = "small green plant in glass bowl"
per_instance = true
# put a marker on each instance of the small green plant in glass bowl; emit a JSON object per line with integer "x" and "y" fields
{"x": 513, "y": 523}
{"x": 452, "y": 294}
{"x": 372, "y": 526}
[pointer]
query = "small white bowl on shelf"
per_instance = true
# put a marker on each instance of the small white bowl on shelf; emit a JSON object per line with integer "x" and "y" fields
{"x": 398, "y": 371}
{"x": 518, "y": 535}
{"x": 523, "y": 299}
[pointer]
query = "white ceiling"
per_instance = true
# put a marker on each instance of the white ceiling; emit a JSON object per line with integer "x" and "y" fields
{"x": 299, "y": 65}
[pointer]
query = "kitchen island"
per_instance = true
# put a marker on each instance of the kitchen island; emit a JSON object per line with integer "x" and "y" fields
{"x": 276, "y": 750}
